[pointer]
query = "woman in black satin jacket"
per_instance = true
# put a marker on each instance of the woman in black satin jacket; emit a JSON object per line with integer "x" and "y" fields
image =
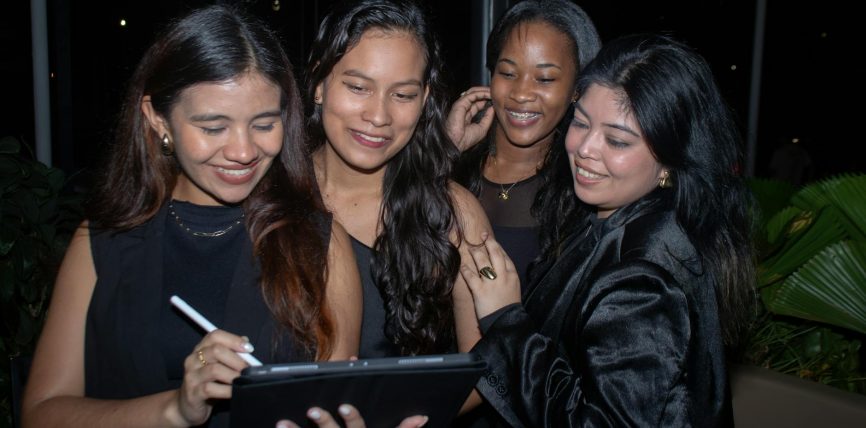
{"x": 628, "y": 318}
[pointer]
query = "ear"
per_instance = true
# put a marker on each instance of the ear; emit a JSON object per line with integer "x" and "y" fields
{"x": 154, "y": 119}
{"x": 320, "y": 89}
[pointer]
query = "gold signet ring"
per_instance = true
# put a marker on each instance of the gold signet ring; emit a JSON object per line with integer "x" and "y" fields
{"x": 201, "y": 358}
{"x": 487, "y": 272}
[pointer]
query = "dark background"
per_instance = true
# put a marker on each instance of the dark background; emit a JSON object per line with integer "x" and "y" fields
{"x": 810, "y": 88}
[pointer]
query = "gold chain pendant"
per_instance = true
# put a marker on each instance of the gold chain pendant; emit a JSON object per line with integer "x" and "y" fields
{"x": 503, "y": 195}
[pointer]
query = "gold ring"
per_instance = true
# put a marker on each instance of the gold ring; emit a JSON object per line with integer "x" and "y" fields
{"x": 201, "y": 358}
{"x": 487, "y": 272}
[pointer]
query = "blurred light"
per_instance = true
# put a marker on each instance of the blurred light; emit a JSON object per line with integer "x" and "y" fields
{"x": 824, "y": 35}
{"x": 795, "y": 140}
{"x": 733, "y": 67}
{"x": 51, "y": 75}
{"x": 123, "y": 23}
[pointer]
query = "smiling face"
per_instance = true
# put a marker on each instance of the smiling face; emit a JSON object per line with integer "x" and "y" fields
{"x": 225, "y": 137}
{"x": 373, "y": 98}
{"x": 532, "y": 83}
{"x": 610, "y": 160}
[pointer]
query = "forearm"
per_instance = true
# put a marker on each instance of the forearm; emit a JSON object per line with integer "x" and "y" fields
{"x": 156, "y": 410}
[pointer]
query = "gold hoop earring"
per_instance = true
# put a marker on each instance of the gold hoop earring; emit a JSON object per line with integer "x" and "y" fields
{"x": 665, "y": 182}
{"x": 167, "y": 147}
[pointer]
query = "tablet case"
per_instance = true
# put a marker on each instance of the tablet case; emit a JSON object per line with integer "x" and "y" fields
{"x": 385, "y": 390}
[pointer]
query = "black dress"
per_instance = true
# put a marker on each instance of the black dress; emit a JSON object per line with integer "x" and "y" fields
{"x": 130, "y": 350}
{"x": 621, "y": 330}
{"x": 374, "y": 343}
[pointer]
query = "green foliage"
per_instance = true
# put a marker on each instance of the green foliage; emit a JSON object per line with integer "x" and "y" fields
{"x": 37, "y": 219}
{"x": 812, "y": 280}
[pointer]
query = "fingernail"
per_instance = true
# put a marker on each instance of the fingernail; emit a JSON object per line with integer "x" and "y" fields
{"x": 424, "y": 422}
{"x": 344, "y": 410}
{"x": 314, "y": 414}
{"x": 248, "y": 347}
{"x": 282, "y": 424}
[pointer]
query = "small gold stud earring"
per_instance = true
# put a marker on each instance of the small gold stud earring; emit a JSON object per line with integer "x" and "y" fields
{"x": 166, "y": 146}
{"x": 665, "y": 182}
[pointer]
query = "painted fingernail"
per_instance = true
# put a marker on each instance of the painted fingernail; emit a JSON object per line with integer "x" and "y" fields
{"x": 344, "y": 410}
{"x": 314, "y": 414}
{"x": 424, "y": 422}
{"x": 248, "y": 347}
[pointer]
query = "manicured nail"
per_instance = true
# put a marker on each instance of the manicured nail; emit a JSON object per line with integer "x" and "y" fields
{"x": 314, "y": 414}
{"x": 344, "y": 410}
{"x": 426, "y": 418}
{"x": 248, "y": 347}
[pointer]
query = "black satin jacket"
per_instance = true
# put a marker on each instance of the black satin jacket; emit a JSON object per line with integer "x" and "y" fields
{"x": 621, "y": 330}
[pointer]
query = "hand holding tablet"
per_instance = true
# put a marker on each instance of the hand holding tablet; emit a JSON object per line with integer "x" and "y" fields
{"x": 384, "y": 391}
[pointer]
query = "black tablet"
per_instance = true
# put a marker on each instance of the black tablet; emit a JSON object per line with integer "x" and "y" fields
{"x": 385, "y": 390}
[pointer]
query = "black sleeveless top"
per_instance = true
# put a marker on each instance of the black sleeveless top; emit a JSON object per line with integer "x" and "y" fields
{"x": 511, "y": 219}
{"x": 135, "y": 342}
{"x": 374, "y": 344}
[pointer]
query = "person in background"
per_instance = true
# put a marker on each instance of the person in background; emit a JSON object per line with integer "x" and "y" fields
{"x": 534, "y": 55}
{"x": 629, "y": 321}
{"x": 208, "y": 194}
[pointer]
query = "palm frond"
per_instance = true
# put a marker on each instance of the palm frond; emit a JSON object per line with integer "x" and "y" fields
{"x": 829, "y": 288}
{"x": 847, "y": 192}
{"x": 806, "y": 234}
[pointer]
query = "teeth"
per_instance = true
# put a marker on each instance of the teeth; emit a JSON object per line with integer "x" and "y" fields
{"x": 587, "y": 174}
{"x": 370, "y": 138}
{"x": 236, "y": 172}
{"x": 522, "y": 116}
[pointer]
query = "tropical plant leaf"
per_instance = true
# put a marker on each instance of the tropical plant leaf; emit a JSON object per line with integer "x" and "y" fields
{"x": 830, "y": 288}
{"x": 782, "y": 221}
{"x": 806, "y": 235}
{"x": 847, "y": 192}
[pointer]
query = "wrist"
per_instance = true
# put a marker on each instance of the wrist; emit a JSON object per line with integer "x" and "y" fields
{"x": 172, "y": 413}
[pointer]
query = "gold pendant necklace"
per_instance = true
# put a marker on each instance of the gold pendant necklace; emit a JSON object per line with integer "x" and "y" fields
{"x": 503, "y": 192}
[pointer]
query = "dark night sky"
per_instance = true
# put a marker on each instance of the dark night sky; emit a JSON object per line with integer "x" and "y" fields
{"x": 808, "y": 72}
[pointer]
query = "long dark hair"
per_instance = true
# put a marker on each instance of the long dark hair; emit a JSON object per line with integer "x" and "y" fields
{"x": 578, "y": 28}
{"x": 215, "y": 44}
{"x": 416, "y": 264}
{"x": 671, "y": 92}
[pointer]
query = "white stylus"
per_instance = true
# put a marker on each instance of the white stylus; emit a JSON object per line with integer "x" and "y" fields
{"x": 207, "y": 325}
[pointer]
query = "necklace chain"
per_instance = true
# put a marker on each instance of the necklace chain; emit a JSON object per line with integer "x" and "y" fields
{"x": 503, "y": 192}
{"x": 214, "y": 234}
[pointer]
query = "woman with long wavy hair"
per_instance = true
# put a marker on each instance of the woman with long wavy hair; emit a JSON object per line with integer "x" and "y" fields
{"x": 383, "y": 162}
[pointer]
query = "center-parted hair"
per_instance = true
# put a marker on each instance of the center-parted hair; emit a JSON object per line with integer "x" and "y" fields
{"x": 415, "y": 263}
{"x": 283, "y": 214}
